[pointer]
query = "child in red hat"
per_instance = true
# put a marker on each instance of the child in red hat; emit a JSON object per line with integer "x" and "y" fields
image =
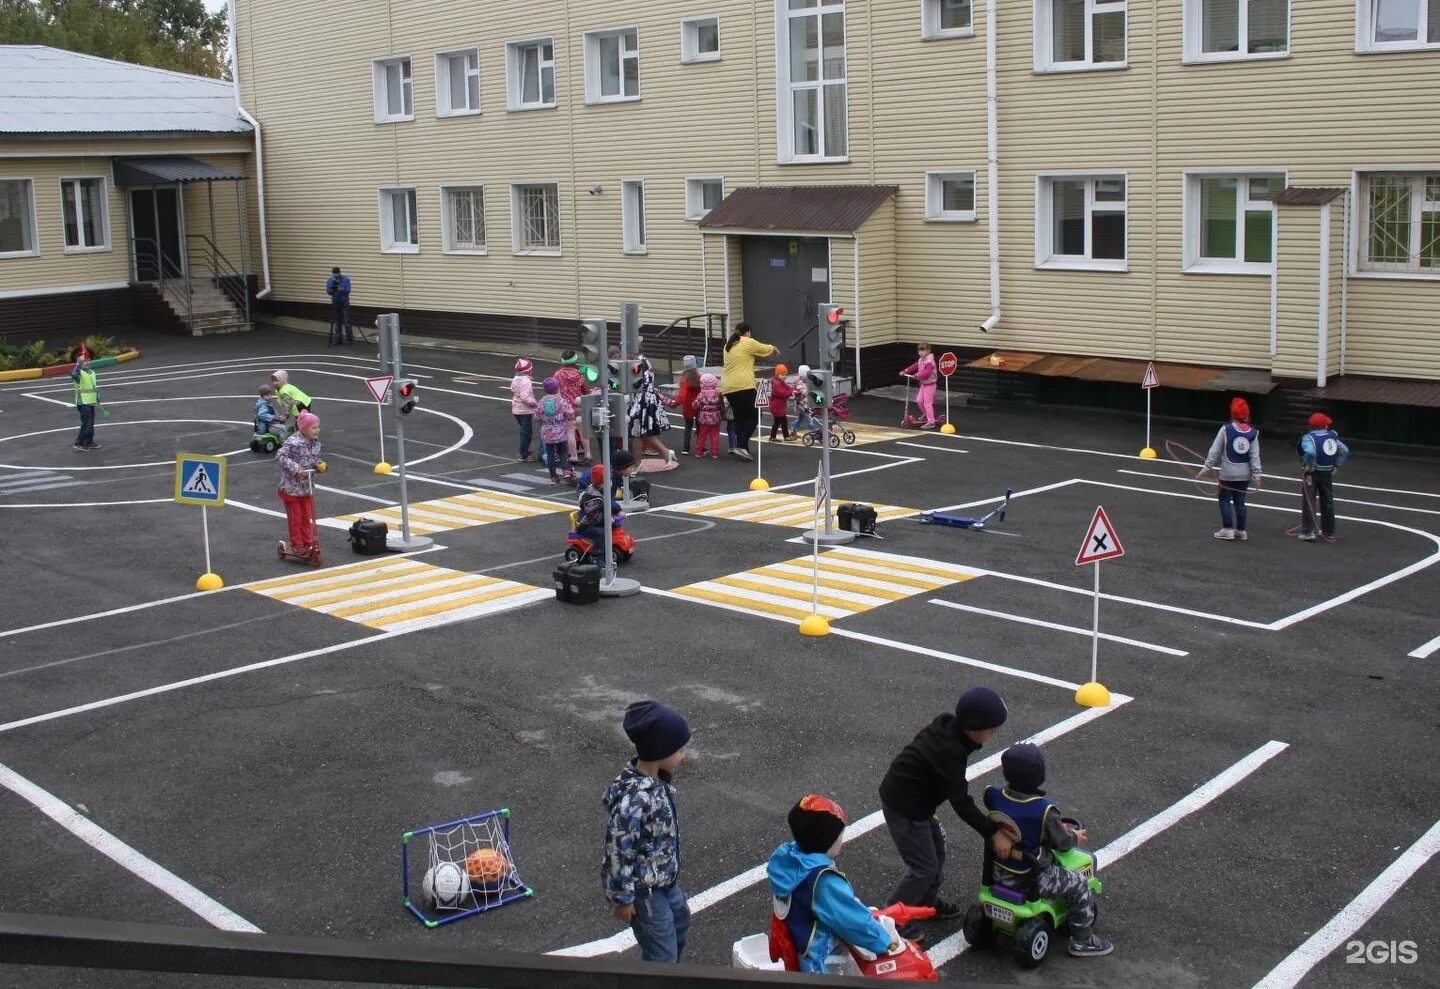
{"x": 780, "y": 392}
{"x": 1321, "y": 451}
{"x": 1235, "y": 457}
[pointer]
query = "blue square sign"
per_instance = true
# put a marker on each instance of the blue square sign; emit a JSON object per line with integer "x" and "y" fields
{"x": 199, "y": 480}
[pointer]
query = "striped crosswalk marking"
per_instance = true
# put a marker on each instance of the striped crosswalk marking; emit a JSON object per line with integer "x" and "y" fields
{"x": 851, "y": 581}
{"x": 773, "y": 508}
{"x": 460, "y": 511}
{"x": 23, "y": 482}
{"x": 399, "y": 595}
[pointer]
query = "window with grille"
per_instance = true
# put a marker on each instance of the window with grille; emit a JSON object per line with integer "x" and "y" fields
{"x": 811, "y": 54}
{"x": 535, "y": 212}
{"x": 17, "y": 217}
{"x": 82, "y": 204}
{"x": 1073, "y": 35}
{"x": 464, "y": 219}
{"x": 1401, "y": 223}
{"x": 1080, "y": 222}
{"x": 530, "y": 66}
{"x": 457, "y": 82}
{"x": 394, "y": 90}
{"x": 399, "y": 227}
{"x": 1225, "y": 30}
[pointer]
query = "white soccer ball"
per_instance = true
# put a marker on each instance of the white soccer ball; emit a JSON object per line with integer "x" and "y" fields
{"x": 446, "y": 885}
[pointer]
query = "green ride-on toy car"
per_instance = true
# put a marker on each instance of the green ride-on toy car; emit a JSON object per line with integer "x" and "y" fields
{"x": 268, "y": 440}
{"x": 1031, "y": 923}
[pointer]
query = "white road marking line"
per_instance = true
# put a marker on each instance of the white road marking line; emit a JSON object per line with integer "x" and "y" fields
{"x": 737, "y": 884}
{"x": 193, "y": 681}
{"x": 53, "y": 401}
{"x": 1166, "y": 650}
{"x": 51, "y": 486}
{"x": 1288, "y": 494}
{"x": 937, "y": 449}
{"x": 355, "y": 494}
{"x": 851, "y": 473}
{"x": 475, "y": 610}
{"x": 209, "y": 910}
{"x": 1013, "y": 495}
{"x": 92, "y": 504}
{"x": 951, "y": 657}
{"x": 1424, "y": 651}
{"x": 1359, "y": 910}
{"x": 1120, "y": 599}
{"x": 955, "y": 945}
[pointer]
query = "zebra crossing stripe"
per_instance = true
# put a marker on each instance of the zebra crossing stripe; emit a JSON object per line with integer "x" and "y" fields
{"x": 772, "y": 508}
{"x": 461, "y": 511}
{"x": 338, "y": 576}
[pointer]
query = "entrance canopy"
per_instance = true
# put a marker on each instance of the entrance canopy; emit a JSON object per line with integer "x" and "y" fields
{"x": 798, "y": 208}
{"x": 168, "y": 171}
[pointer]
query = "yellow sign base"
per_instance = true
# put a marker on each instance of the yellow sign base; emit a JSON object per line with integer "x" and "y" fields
{"x": 759, "y": 484}
{"x": 815, "y": 624}
{"x": 1148, "y": 454}
{"x": 1092, "y": 694}
{"x": 209, "y": 582}
{"x": 948, "y": 429}
{"x": 383, "y": 468}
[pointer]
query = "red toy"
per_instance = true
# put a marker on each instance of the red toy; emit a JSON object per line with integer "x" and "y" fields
{"x": 911, "y": 964}
{"x": 578, "y": 549}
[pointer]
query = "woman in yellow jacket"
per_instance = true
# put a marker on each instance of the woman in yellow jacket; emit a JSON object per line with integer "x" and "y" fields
{"x": 737, "y": 383}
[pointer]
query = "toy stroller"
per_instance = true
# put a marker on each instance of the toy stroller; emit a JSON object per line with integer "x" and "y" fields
{"x": 839, "y": 414}
{"x": 911, "y": 420}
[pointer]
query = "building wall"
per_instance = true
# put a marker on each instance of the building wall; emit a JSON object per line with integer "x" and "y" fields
{"x": 1315, "y": 115}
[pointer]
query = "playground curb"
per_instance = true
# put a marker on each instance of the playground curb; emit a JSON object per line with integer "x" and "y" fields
{"x": 56, "y": 370}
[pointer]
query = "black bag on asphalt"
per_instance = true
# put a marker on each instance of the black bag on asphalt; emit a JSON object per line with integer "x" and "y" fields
{"x": 367, "y": 536}
{"x": 857, "y": 518}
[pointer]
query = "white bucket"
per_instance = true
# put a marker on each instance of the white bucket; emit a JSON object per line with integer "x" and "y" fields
{"x": 753, "y": 952}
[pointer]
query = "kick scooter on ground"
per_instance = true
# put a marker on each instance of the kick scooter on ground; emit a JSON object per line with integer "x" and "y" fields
{"x": 310, "y": 554}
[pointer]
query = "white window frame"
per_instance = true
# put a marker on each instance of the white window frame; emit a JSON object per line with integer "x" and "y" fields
{"x": 784, "y": 88}
{"x": 1195, "y": 35}
{"x": 515, "y": 64}
{"x": 695, "y": 195}
{"x": 389, "y": 244}
{"x": 689, "y": 38}
{"x": 447, "y": 241}
{"x": 591, "y": 44}
{"x": 1045, "y": 256}
{"x": 633, "y": 221}
{"x": 1044, "y": 37}
{"x": 104, "y": 244}
{"x": 1193, "y": 262}
{"x": 33, "y": 227}
{"x": 378, "y": 70}
{"x": 516, "y": 223}
{"x": 930, "y": 29}
{"x": 1365, "y": 29}
{"x": 935, "y": 196}
{"x": 1359, "y": 192}
{"x": 442, "y": 83}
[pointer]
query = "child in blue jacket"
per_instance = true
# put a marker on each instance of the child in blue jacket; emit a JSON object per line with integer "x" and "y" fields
{"x": 813, "y": 899}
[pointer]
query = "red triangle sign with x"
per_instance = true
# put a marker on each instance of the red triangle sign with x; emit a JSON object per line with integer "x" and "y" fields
{"x": 1101, "y": 542}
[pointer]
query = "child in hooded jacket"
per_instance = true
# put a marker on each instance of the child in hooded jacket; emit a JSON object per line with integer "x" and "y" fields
{"x": 1235, "y": 458}
{"x": 641, "y": 869}
{"x": 780, "y": 392}
{"x": 523, "y": 405}
{"x": 924, "y": 371}
{"x": 289, "y": 399}
{"x": 709, "y": 413}
{"x": 557, "y": 416}
{"x": 812, "y": 898}
{"x": 686, "y": 394}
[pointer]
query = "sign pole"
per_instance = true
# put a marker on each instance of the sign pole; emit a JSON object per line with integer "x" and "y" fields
{"x": 380, "y": 420}
{"x": 200, "y": 480}
{"x": 1149, "y": 383}
{"x": 205, "y": 525}
{"x": 388, "y": 325}
{"x": 611, "y": 584}
{"x": 947, "y": 366}
{"x": 1095, "y": 638}
{"x": 762, "y": 401}
{"x": 1101, "y": 543}
{"x": 816, "y": 624}
{"x": 830, "y": 535}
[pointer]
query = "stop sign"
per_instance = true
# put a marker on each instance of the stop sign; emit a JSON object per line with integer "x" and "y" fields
{"x": 949, "y": 363}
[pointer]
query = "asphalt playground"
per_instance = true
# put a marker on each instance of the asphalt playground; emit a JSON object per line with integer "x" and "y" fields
{"x": 1261, "y": 790}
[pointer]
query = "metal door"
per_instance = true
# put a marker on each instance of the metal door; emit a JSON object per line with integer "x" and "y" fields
{"x": 155, "y": 227}
{"x": 783, "y": 279}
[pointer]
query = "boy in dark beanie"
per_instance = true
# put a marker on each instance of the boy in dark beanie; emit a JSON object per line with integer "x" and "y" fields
{"x": 926, "y": 773}
{"x": 642, "y": 841}
{"x": 1041, "y": 831}
{"x": 813, "y": 902}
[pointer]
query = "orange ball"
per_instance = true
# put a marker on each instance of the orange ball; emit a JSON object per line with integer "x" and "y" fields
{"x": 486, "y": 865}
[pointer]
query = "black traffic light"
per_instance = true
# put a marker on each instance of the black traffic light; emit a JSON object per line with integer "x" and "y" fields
{"x": 406, "y": 397}
{"x": 832, "y": 331}
{"x": 819, "y": 388}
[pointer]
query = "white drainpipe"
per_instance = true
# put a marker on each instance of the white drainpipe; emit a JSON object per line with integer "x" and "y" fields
{"x": 992, "y": 178}
{"x": 264, "y": 292}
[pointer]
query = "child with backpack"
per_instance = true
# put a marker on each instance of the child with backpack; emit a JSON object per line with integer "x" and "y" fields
{"x": 709, "y": 413}
{"x": 557, "y": 417}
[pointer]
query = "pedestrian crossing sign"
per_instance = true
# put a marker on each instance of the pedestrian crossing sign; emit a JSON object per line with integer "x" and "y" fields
{"x": 199, "y": 480}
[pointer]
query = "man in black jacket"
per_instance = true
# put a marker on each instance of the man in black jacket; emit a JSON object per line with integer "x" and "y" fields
{"x": 926, "y": 773}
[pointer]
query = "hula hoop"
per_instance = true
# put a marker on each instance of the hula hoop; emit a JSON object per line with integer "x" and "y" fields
{"x": 1310, "y": 503}
{"x": 1194, "y": 465}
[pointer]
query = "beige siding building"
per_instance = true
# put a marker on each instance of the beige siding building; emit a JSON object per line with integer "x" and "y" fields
{"x": 123, "y": 198}
{"x": 1246, "y": 186}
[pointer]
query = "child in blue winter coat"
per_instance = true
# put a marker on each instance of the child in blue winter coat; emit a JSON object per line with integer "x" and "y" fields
{"x": 815, "y": 906}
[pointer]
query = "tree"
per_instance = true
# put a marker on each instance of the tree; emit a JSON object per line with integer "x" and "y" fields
{"x": 168, "y": 34}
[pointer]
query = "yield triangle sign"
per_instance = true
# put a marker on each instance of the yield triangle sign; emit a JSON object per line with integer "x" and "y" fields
{"x": 379, "y": 387}
{"x": 1151, "y": 379}
{"x": 1101, "y": 541}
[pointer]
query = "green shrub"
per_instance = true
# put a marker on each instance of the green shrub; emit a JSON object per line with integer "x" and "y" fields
{"x": 14, "y": 357}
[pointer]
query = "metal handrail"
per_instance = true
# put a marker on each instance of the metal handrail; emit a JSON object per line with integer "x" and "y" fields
{"x": 710, "y": 318}
{"x": 224, "y": 274}
{"x": 161, "y": 260}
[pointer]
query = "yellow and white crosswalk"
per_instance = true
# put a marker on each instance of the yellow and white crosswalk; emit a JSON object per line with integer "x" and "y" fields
{"x": 460, "y": 512}
{"x": 399, "y": 595}
{"x": 774, "y": 508}
{"x": 851, "y": 581}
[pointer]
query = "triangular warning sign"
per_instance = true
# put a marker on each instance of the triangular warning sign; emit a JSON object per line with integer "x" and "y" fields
{"x": 1151, "y": 379}
{"x": 379, "y": 387}
{"x": 1101, "y": 541}
{"x": 199, "y": 482}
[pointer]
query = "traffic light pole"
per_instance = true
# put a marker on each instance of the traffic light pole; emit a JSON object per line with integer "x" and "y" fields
{"x": 611, "y": 585}
{"x": 829, "y": 535}
{"x": 388, "y": 326}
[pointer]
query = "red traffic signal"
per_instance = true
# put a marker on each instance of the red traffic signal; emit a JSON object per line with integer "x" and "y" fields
{"x": 406, "y": 387}
{"x": 405, "y": 397}
{"x": 834, "y": 315}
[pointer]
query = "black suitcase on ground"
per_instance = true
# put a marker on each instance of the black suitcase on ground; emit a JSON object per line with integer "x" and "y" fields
{"x": 577, "y": 583}
{"x": 857, "y": 518}
{"x": 367, "y": 537}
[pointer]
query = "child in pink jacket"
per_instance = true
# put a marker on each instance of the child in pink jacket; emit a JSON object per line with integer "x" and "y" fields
{"x": 523, "y": 405}
{"x": 709, "y": 413}
{"x": 923, "y": 370}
